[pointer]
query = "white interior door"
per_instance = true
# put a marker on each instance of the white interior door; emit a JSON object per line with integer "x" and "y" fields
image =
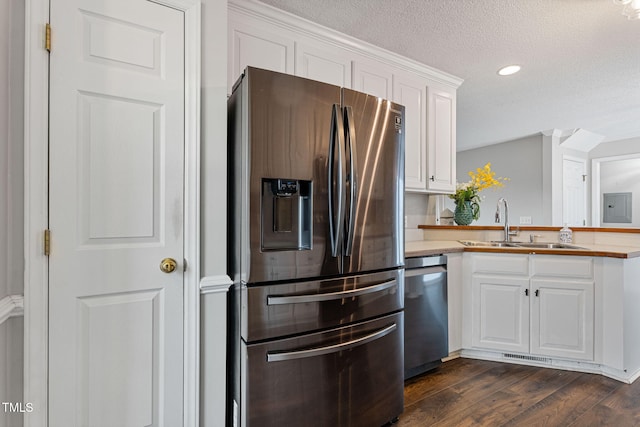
{"x": 116, "y": 210}
{"x": 574, "y": 192}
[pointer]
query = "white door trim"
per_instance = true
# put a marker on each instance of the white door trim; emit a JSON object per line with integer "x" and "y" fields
{"x": 596, "y": 164}
{"x": 585, "y": 206}
{"x": 36, "y": 210}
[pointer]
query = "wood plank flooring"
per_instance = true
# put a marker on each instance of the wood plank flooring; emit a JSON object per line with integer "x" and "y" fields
{"x": 467, "y": 392}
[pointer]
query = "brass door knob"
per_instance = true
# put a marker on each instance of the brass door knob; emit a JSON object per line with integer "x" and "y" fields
{"x": 168, "y": 265}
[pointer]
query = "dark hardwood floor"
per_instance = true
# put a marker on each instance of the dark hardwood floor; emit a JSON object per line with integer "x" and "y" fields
{"x": 467, "y": 392}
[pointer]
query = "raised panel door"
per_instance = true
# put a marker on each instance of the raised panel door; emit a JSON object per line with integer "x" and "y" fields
{"x": 319, "y": 64}
{"x": 116, "y": 191}
{"x": 412, "y": 94}
{"x": 441, "y": 139}
{"x": 251, "y": 45}
{"x": 562, "y": 318}
{"x": 372, "y": 79}
{"x": 500, "y": 313}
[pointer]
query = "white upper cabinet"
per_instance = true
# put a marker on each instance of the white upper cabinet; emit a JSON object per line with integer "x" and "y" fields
{"x": 373, "y": 79}
{"x": 413, "y": 95}
{"x": 265, "y": 37}
{"x": 430, "y": 139}
{"x": 250, "y": 44}
{"x": 323, "y": 65}
{"x": 441, "y": 139}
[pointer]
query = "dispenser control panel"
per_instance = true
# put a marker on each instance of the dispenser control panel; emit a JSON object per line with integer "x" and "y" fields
{"x": 284, "y": 187}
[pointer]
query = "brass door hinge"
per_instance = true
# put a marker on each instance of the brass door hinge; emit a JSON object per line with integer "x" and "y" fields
{"x": 47, "y": 37}
{"x": 47, "y": 242}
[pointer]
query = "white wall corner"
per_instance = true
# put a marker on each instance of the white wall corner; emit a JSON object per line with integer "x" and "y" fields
{"x": 11, "y": 306}
{"x": 582, "y": 140}
{"x": 215, "y": 284}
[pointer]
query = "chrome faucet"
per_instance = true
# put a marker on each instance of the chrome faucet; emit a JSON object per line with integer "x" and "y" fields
{"x": 507, "y": 232}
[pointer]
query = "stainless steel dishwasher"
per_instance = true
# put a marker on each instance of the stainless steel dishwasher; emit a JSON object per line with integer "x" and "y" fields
{"x": 426, "y": 337}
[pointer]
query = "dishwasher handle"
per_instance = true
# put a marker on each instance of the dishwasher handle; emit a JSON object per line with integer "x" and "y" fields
{"x": 425, "y": 270}
{"x": 424, "y": 261}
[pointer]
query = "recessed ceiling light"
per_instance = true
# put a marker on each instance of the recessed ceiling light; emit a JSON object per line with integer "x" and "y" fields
{"x": 508, "y": 70}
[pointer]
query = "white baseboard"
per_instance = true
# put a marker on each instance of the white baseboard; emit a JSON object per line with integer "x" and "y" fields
{"x": 549, "y": 362}
{"x": 453, "y": 355}
{"x": 11, "y": 306}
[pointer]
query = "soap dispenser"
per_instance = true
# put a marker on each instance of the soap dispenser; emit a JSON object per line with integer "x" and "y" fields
{"x": 566, "y": 235}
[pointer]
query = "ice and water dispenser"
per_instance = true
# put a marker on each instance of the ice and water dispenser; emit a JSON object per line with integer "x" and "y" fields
{"x": 286, "y": 214}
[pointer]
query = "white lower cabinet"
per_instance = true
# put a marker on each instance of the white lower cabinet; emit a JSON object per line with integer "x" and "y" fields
{"x": 562, "y": 318}
{"x": 502, "y": 315}
{"x": 527, "y": 304}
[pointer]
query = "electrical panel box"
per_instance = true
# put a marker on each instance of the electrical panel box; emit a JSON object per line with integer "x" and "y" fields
{"x": 617, "y": 207}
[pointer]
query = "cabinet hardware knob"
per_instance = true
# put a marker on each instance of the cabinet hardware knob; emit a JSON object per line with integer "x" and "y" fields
{"x": 433, "y": 178}
{"x": 526, "y": 292}
{"x": 537, "y": 292}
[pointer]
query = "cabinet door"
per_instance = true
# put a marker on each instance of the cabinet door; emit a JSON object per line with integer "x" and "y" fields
{"x": 500, "y": 313}
{"x": 322, "y": 65}
{"x": 441, "y": 139}
{"x": 372, "y": 79}
{"x": 562, "y": 318}
{"x": 412, "y": 94}
{"x": 251, "y": 44}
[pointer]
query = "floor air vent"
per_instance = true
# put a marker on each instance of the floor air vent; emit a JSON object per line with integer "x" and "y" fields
{"x": 524, "y": 357}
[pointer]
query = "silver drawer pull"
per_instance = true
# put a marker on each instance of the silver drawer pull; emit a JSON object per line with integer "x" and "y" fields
{"x": 301, "y": 354}
{"x": 297, "y": 299}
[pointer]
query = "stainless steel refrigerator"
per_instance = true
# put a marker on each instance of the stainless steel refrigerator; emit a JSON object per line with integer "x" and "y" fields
{"x": 316, "y": 250}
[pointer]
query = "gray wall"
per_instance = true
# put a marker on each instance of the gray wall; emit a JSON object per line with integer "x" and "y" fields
{"x": 11, "y": 199}
{"x": 521, "y": 161}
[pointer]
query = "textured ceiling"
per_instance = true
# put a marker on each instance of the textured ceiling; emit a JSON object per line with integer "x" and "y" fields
{"x": 580, "y": 59}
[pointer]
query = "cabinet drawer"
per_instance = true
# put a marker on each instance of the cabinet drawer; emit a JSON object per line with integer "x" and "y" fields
{"x": 500, "y": 264}
{"x": 562, "y": 266}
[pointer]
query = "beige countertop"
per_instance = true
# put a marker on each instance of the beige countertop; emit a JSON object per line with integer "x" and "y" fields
{"x": 431, "y": 247}
{"x": 434, "y": 247}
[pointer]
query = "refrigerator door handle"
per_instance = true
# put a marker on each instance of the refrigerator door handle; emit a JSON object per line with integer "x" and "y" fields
{"x": 352, "y": 176}
{"x": 336, "y": 214}
{"x": 329, "y": 296}
{"x": 277, "y": 356}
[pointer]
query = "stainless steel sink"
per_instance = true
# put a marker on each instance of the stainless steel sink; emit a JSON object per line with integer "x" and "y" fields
{"x": 549, "y": 246}
{"x": 495, "y": 244}
{"x": 536, "y": 245}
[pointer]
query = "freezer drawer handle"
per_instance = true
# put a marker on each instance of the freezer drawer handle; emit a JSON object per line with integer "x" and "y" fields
{"x": 311, "y": 352}
{"x": 297, "y": 299}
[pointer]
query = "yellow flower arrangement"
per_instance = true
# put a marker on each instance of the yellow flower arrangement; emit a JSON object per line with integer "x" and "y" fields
{"x": 481, "y": 179}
